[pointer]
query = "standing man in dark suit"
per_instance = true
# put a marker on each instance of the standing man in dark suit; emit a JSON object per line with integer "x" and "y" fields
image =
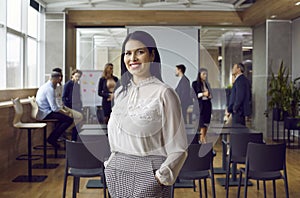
{"x": 183, "y": 90}
{"x": 239, "y": 103}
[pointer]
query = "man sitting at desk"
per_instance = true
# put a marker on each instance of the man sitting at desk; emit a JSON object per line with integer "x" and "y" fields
{"x": 48, "y": 109}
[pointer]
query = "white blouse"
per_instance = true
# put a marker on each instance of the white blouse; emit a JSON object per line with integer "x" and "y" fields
{"x": 147, "y": 120}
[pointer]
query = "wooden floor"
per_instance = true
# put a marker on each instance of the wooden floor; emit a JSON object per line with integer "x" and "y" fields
{"x": 52, "y": 186}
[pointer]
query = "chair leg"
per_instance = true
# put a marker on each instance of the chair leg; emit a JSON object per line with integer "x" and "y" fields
{"x": 213, "y": 185}
{"x": 274, "y": 188}
{"x": 65, "y": 185}
{"x": 104, "y": 183}
{"x": 227, "y": 179}
{"x": 239, "y": 186}
{"x": 172, "y": 191}
{"x": 77, "y": 184}
{"x": 246, "y": 184}
{"x": 205, "y": 187}
{"x": 194, "y": 185}
{"x": 257, "y": 184}
{"x": 265, "y": 189}
{"x": 286, "y": 186}
{"x": 74, "y": 187}
{"x": 45, "y": 146}
{"x": 200, "y": 188}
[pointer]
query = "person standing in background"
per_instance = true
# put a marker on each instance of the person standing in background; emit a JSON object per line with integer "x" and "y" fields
{"x": 146, "y": 130}
{"x": 106, "y": 87}
{"x": 240, "y": 97}
{"x": 183, "y": 90}
{"x": 71, "y": 98}
{"x": 77, "y": 116}
{"x": 203, "y": 92}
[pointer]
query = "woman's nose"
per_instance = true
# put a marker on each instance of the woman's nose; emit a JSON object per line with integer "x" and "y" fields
{"x": 133, "y": 57}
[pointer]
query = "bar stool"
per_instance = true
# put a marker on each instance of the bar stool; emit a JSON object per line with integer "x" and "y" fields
{"x": 17, "y": 123}
{"x": 34, "y": 110}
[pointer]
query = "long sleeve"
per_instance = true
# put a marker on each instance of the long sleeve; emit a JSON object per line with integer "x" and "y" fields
{"x": 174, "y": 137}
{"x": 67, "y": 94}
{"x": 101, "y": 91}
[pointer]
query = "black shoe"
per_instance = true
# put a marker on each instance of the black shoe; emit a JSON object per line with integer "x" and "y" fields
{"x": 54, "y": 144}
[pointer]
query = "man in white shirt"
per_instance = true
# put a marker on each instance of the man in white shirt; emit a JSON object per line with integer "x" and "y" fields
{"x": 48, "y": 109}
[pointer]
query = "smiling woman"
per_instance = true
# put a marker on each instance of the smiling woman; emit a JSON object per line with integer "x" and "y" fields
{"x": 146, "y": 129}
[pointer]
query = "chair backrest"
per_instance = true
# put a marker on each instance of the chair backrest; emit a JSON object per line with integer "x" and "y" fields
{"x": 78, "y": 155}
{"x": 239, "y": 142}
{"x": 87, "y": 153}
{"x": 266, "y": 158}
{"x": 18, "y": 111}
{"x": 34, "y": 106}
{"x": 199, "y": 157}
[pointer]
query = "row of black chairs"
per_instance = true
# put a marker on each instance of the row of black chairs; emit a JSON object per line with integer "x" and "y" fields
{"x": 263, "y": 162}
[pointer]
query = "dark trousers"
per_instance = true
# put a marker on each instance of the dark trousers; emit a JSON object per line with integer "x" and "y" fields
{"x": 238, "y": 119}
{"x": 63, "y": 123}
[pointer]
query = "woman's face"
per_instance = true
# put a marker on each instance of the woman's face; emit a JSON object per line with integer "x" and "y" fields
{"x": 137, "y": 59}
{"x": 76, "y": 77}
{"x": 110, "y": 70}
{"x": 203, "y": 76}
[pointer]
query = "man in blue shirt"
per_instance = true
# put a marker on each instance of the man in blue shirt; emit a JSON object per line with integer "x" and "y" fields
{"x": 48, "y": 108}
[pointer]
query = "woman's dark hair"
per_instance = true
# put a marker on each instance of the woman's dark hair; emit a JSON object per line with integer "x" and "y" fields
{"x": 199, "y": 75}
{"x": 149, "y": 42}
{"x": 105, "y": 73}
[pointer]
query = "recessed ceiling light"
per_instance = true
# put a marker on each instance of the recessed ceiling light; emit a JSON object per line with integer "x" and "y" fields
{"x": 297, "y": 3}
{"x": 273, "y": 16}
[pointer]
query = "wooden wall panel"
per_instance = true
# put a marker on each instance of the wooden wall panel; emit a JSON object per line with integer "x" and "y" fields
{"x": 151, "y": 17}
{"x": 6, "y": 95}
{"x": 264, "y": 9}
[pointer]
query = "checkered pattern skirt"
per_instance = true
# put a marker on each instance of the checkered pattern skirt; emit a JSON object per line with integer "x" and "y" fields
{"x": 133, "y": 177}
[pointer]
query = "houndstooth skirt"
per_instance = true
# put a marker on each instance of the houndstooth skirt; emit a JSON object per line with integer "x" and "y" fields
{"x": 133, "y": 177}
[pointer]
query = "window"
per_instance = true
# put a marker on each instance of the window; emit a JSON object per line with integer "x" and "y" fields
{"x": 32, "y": 22}
{"x": 31, "y": 71}
{"x": 14, "y": 61}
{"x": 20, "y": 33}
{"x": 14, "y": 14}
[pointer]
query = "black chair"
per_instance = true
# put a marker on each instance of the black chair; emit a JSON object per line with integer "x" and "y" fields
{"x": 238, "y": 150}
{"x": 265, "y": 162}
{"x": 85, "y": 159}
{"x": 198, "y": 166}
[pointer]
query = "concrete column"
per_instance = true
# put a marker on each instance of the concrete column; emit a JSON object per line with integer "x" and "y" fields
{"x": 231, "y": 53}
{"x": 55, "y": 42}
{"x": 271, "y": 44}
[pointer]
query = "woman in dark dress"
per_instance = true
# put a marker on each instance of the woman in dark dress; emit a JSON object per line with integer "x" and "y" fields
{"x": 203, "y": 92}
{"x": 106, "y": 87}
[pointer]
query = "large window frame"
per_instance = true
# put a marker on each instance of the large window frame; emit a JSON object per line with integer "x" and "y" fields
{"x": 27, "y": 74}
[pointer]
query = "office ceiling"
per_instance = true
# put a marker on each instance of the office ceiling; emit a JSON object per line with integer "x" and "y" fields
{"x": 205, "y": 5}
{"x": 240, "y": 12}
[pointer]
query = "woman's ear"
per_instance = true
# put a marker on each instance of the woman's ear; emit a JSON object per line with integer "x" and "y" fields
{"x": 152, "y": 55}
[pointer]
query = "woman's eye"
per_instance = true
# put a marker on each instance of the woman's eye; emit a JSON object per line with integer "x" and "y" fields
{"x": 127, "y": 53}
{"x": 140, "y": 52}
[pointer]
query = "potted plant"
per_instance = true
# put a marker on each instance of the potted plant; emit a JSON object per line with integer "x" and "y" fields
{"x": 292, "y": 105}
{"x": 278, "y": 87}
